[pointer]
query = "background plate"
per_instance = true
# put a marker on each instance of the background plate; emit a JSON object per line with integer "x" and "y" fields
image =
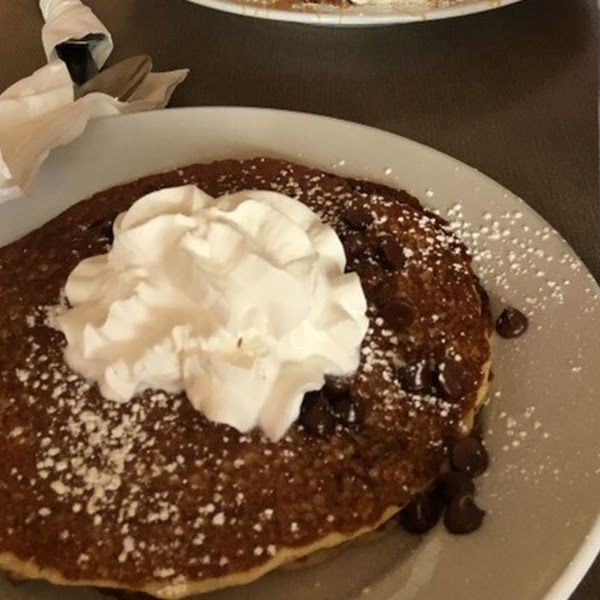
{"x": 542, "y": 492}
{"x": 370, "y": 14}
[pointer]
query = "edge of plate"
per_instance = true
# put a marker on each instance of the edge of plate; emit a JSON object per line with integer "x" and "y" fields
{"x": 357, "y": 15}
{"x": 577, "y": 569}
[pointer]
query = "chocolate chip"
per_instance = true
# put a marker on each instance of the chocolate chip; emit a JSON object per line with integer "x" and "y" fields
{"x": 104, "y": 227}
{"x": 451, "y": 378}
{"x": 347, "y": 406}
{"x": 398, "y": 313}
{"x": 469, "y": 456}
{"x": 316, "y": 416}
{"x": 511, "y": 323}
{"x": 309, "y": 400}
{"x": 478, "y": 427}
{"x": 422, "y": 513}
{"x": 335, "y": 387}
{"x": 348, "y": 409}
{"x": 358, "y": 216}
{"x": 415, "y": 376}
{"x": 386, "y": 291}
{"x": 354, "y": 245}
{"x": 453, "y": 483}
{"x": 392, "y": 252}
{"x": 483, "y": 295}
{"x": 107, "y": 233}
{"x": 463, "y": 515}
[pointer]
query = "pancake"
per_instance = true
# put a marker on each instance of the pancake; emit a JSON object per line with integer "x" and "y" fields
{"x": 149, "y": 495}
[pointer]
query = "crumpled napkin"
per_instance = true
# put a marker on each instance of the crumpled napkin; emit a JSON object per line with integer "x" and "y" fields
{"x": 39, "y": 113}
{"x": 66, "y": 19}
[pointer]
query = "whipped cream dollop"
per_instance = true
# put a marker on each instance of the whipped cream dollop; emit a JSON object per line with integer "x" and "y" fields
{"x": 241, "y": 301}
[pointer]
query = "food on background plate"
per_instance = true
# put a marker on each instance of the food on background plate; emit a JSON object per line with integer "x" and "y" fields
{"x": 122, "y": 471}
{"x": 415, "y": 7}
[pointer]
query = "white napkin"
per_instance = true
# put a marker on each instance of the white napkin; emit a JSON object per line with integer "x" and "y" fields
{"x": 66, "y": 19}
{"x": 39, "y": 113}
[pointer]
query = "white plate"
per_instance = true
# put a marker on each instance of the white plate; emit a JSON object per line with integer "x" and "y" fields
{"x": 542, "y": 492}
{"x": 367, "y": 14}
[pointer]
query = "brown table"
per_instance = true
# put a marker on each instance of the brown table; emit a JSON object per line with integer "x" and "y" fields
{"x": 512, "y": 92}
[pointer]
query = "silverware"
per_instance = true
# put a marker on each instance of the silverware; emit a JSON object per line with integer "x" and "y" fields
{"x": 120, "y": 80}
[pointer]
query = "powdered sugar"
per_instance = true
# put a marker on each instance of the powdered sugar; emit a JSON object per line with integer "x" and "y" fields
{"x": 507, "y": 248}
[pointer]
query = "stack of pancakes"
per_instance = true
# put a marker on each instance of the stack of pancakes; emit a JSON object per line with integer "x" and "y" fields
{"x": 151, "y": 496}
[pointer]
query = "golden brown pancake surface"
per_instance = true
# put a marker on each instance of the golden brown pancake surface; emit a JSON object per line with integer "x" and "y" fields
{"x": 149, "y": 495}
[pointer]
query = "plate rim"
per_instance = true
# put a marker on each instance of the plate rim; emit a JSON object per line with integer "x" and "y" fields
{"x": 356, "y": 15}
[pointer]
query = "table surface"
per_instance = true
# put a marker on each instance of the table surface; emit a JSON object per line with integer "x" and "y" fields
{"x": 511, "y": 92}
